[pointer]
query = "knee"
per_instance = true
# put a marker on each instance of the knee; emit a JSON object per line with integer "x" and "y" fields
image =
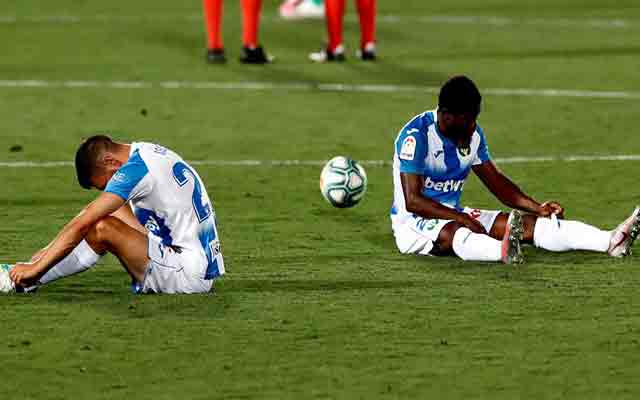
{"x": 102, "y": 230}
{"x": 444, "y": 244}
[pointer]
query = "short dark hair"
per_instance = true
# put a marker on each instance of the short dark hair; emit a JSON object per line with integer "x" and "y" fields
{"x": 87, "y": 157}
{"x": 460, "y": 95}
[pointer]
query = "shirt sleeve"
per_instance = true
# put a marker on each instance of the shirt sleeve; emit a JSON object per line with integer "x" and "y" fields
{"x": 411, "y": 148}
{"x": 128, "y": 182}
{"x": 482, "y": 155}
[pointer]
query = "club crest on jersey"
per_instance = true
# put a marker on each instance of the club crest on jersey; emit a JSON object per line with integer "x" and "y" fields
{"x": 408, "y": 149}
{"x": 464, "y": 151}
{"x": 152, "y": 225}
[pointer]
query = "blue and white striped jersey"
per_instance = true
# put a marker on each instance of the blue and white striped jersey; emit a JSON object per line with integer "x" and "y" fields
{"x": 170, "y": 200}
{"x": 422, "y": 150}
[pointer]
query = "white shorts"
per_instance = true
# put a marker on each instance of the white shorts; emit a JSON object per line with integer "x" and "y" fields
{"x": 172, "y": 272}
{"x": 417, "y": 235}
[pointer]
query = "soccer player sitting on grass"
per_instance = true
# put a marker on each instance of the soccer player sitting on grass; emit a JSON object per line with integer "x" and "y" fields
{"x": 434, "y": 153}
{"x": 154, "y": 214}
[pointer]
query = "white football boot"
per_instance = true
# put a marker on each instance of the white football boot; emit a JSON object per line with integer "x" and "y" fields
{"x": 6, "y": 284}
{"x": 623, "y": 236}
{"x": 513, "y": 234}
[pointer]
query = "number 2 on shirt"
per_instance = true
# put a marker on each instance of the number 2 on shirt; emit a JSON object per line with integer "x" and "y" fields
{"x": 201, "y": 208}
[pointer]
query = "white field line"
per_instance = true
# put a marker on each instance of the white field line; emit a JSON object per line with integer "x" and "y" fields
{"x": 318, "y": 163}
{"x": 615, "y": 23}
{"x": 307, "y": 86}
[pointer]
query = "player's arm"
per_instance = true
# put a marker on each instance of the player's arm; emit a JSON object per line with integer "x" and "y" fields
{"x": 510, "y": 194}
{"x": 418, "y": 204}
{"x": 68, "y": 238}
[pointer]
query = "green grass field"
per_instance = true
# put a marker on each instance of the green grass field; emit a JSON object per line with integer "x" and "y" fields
{"x": 317, "y": 303}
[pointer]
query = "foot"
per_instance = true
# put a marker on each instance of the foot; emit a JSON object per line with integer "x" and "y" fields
{"x": 301, "y": 9}
{"x": 513, "y": 233}
{"x": 6, "y": 284}
{"x": 255, "y": 56}
{"x": 216, "y": 56}
{"x": 368, "y": 52}
{"x": 326, "y": 55}
{"x": 624, "y": 235}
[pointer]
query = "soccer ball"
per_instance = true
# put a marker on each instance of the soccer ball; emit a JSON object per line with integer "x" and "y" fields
{"x": 343, "y": 182}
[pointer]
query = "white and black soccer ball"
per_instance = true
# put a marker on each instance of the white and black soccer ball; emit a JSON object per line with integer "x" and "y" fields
{"x": 343, "y": 182}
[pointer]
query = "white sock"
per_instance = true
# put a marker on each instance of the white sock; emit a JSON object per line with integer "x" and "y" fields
{"x": 476, "y": 247}
{"x": 559, "y": 235}
{"x": 80, "y": 259}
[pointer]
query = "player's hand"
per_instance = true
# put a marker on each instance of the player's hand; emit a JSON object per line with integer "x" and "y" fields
{"x": 549, "y": 208}
{"x": 24, "y": 274}
{"x": 473, "y": 224}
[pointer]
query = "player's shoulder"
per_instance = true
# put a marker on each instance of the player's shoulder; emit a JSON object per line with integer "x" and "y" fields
{"x": 136, "y": 164}
{"x": 412, "y": 138}
{"x": 154, "y": 155}
{"x": 146, "y": 149}
{"x": 420, "y": 122}
{"x": 417, "y": 126}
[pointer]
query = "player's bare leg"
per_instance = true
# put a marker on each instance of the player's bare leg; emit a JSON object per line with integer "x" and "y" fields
{"x": 129, "y": 244}
{"x": 457, "y": 239}
{"x": 81, "y": 259}
{"x": 444, "y": 245}
{"x": 126, "y": 215}
{"x": 110, "y": 234}
{"x": 213, "y": 26}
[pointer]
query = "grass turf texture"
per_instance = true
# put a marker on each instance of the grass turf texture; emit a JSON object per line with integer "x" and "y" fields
{"x": 317, "y": 303}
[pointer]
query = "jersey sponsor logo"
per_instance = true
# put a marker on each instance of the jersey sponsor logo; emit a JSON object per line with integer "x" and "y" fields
{"x": 437, "y": 153}
{"x": 450, "y": 185}
{"x": 408, "y": 149}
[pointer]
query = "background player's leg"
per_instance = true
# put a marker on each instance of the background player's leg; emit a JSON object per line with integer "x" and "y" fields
{"x": 334, "y": 11}
{"x": 213, "y": 24}
{"x": 252, "y": 52}
{"x": 367, "y": 15}
{"x": 250, "y": 22}
{"x": 557, "y": 235}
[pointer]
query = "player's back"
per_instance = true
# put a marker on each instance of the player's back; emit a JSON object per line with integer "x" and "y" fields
{"x": 169, "y": 198}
